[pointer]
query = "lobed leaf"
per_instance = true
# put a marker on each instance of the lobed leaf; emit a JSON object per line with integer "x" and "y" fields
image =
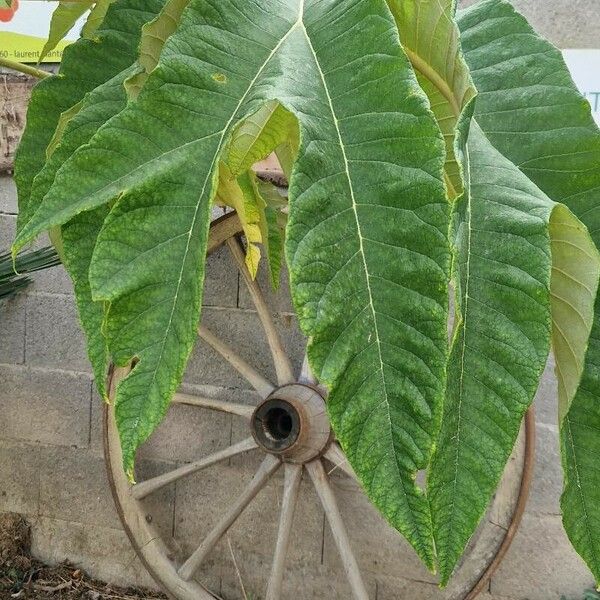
{"x": 64, "y": 17}
{"x": 368, "y": 218}
{"x": 431, "y": 40}
{"x": 154, "y": 35}
{"x": 272, "y": 227}
{"x": 75, "y": 128}
{"x": 79, "y": 235}
{"x": 552, "y": 138}
{"x": 239, "y": 193}
{"x": 85, "y": 65}
{"x": 515, "y": 251}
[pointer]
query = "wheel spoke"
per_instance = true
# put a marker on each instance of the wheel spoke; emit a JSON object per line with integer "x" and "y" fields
{"x": 256, "y": 380}
{"x": 335, "y": 455}
{"x": 291, "y": 488}
{"x": 306, "y": 374}
{"x": 283, "y": 366}
{"x": 321, "y": 482}
{"x": 241, "y": 410}
{"x": 141, "y": 490}
{"x": 269, "y": 465}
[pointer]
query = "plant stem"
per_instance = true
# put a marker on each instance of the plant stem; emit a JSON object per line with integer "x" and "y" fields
{"x": 17, "y": 66}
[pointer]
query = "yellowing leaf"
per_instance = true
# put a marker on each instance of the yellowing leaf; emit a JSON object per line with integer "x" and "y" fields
{"x": 239, "y": 194}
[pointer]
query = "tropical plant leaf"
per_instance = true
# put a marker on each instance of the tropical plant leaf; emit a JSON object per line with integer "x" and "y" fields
{"x": 79, "y": 235}
{"x": 63, "y": 121}
{"x": 154, "y": 35}
{"x": 431, "y": 39}
{"x": 95, "y": 18}
{"x": 552, "y": 138}
{"x": 272, "y": 227}
{"x": 259, "y": 135}
{"x": 64, "y": 17}
{"x": 513, "y": 246}
{"x": 384, "y": 361}
{"x": 75, "y": 127}
{"x": 85, "y": 65}
{"x": 239, "y": 193}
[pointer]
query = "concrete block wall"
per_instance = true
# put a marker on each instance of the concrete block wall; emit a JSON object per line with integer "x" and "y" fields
{"x": 51, "y": 456}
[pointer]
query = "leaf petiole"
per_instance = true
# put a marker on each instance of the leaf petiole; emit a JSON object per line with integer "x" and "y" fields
{"x": 22, "y": 68}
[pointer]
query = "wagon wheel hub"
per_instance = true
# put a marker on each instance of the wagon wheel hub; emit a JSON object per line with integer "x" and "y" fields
{"x": 292, "y": 423}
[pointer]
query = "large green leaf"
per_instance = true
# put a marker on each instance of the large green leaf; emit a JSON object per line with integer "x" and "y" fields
{"x": 532, "y": 112}
{"x": 64, "y": 17}
{"x": 272, "y": 224}
{"x": 79, "y": 235}
{"x": 514, "y": 246}
{"x": 95, "y": 18}
{"x": 356, "y": 188}
{"x": 75, "y": 128}
{"x": 85, "y": 65}
{"x": 431, "y": 39}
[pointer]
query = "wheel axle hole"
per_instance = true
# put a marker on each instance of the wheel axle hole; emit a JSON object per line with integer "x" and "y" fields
{"x": 278, "y": 424}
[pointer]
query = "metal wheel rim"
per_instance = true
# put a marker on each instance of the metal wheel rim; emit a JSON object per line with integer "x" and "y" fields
{"x": 155, "y": 554}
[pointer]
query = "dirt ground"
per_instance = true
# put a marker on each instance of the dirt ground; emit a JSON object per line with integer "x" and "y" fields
{"x": 22, "y": 577}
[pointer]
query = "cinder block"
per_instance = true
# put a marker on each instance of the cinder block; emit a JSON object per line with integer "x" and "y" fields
{"x": 19, "y": 478}
{"x": 74, "y": 487}
{"x": 8, "y": 195}
{"x": 54, "y": 281}
{"x": 546, "y": 399}
{"x": 566, "y": 24}
{"x": 12, "y": 330}
{"x": 242, "y": 331}
{"x": 8, "y": 226}
{"x": 188, "y": 433}
{"x": 541, "y": 563}
{"x": 278, "y": 300}
{"x": 221, "y": 280}
{"x": 103, "y": 552}
{"x": 547, "y": 482}
{"x": 53, "y": 336}
{"x": 392, "y": 588}
{"x": 40, "y": 405}
{"x": 378, "y": 548}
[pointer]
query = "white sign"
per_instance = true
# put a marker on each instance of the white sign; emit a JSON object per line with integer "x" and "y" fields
{"x": 585, "y": 70}
{"x": 23, "y": 36}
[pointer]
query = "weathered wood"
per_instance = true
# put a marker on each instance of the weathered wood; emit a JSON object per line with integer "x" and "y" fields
{"x": 258, "y": 382}
{"x": 291, "y": 490}
{"x": 269, "y": 465}
{"x": 283, "y": 365}
{"x": 141, "y": 490}
{"x": 15, "y": 91}
{"x": 338, "y": 529}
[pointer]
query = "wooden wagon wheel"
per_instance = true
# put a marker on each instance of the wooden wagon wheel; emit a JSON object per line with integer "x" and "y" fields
{"x": 290, "y": 427}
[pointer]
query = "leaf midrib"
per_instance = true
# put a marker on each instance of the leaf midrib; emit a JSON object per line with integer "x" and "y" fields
{"x": 208, "y": 176}
{"x": 362, "y": 253}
